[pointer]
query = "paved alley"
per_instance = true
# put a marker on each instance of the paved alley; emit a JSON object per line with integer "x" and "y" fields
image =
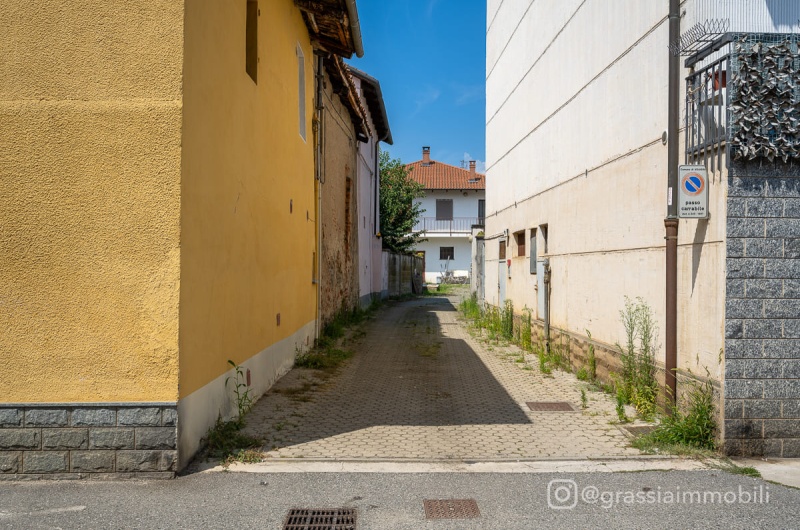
{"x": 420, "y": 387}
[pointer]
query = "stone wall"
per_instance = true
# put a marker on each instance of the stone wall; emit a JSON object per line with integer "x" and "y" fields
{"x": 762, "y": 312}
{"x": 338, "y": 276}
{"x": 79, "y": 440}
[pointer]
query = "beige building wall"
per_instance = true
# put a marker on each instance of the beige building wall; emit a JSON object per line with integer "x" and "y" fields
{"x": 553, "y": 159}
{"x": 90, "y": 176}
{"x": 339, "y": 275}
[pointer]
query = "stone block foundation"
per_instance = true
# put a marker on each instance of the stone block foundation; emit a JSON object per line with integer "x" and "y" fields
{"x": 762, "y": 311}
{"x": 81, "y": 440}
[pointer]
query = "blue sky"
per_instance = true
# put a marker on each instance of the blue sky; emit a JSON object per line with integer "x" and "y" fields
{"x": 430, "y": 58}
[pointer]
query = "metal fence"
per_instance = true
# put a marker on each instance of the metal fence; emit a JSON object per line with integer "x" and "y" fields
{"x": 707, "y": 114}
{"x": 456, "y": 224}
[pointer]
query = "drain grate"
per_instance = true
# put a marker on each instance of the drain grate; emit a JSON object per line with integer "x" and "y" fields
{"x": 451, "y": 509}
{"x": 550, "y": 406}
{"x": 309, "y": 519}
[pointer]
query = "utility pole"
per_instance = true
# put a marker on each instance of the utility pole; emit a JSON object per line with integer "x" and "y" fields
{"x": 671, "y": 221}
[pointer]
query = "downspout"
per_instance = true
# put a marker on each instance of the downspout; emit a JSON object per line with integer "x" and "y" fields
{"x": 671, "y": 222}
{"x": 355, "y": 27}
{"x": 377, "y": 215}
{"x": 319, "y": 180}
{"x": 547, "y": 305}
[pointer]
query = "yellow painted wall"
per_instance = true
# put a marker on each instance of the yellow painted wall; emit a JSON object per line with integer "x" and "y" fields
{"x": 90, "y": 146}
{"x": 245, "y": 258}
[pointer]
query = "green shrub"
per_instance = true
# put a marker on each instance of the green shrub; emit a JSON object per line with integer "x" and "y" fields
{"x": 638, "y": 385}
{"x": 690, "y": 423}
{"x": 592, "y": 360}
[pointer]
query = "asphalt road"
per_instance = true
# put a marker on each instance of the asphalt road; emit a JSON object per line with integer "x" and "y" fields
{"x": 395, "y": 501}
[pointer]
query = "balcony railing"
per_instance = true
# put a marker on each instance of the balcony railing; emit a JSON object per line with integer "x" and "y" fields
{"x": 432, "y": 225}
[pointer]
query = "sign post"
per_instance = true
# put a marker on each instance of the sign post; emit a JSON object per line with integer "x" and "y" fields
{"x": 692, "y": 192}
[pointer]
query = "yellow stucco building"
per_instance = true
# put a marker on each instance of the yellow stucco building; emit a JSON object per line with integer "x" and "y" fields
{"x": 157, "y": 173}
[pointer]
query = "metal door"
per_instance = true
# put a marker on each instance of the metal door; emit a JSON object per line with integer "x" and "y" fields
{"x": 540, "y": 289}
{"x": 480, "y": 276}
{"x": 502, "y": 273}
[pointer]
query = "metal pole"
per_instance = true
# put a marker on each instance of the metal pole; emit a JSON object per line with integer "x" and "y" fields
{"x": 671, "y": 222}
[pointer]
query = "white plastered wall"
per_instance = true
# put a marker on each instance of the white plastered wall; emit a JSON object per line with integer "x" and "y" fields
{"x": 576, "y": 107}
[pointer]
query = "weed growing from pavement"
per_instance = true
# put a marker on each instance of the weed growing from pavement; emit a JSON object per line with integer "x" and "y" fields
{"x": 638, "y": 385}
{"x": 591, "y": 359}
{"x": 245, "y": 456}
{"x": 584, "y": 399}
{"x": 326, "y": 354}
{"x": 225, "y": 440}
{"x": 244, "y": 402}
{"x": 525, "y": 333}
{"x": 325, "y": 358}
{"x": 689, "y": 424}
{"x": 621, "y": 416}
{"x": 442, "y": 288}
{"x": 735, "y": 469}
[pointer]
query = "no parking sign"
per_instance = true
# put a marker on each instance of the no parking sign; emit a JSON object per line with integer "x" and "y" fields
{"x": 692, "y": 192}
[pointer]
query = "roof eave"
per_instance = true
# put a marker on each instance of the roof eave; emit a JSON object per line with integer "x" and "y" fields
{"x": 334, "y": 25}
{"x": 386, "y": 134}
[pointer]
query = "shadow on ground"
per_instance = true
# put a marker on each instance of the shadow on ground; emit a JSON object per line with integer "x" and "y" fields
{"x": 405, "y": 372}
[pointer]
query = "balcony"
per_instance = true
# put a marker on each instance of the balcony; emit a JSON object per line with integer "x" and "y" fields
{"x": 457, "y": 225}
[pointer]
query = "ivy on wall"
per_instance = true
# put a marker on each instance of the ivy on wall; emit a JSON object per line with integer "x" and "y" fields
{"x": 765, "y": 98}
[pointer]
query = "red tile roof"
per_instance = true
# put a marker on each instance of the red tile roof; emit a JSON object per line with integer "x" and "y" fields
{"x": 439, "y": 176}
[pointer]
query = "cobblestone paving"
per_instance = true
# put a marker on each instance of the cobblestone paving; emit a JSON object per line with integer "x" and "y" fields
{"x": 420, "y": 387}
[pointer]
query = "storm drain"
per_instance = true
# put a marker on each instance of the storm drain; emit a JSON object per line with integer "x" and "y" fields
{"x": 451, "y": 509}
{"x": 550, "y": 406}
{"x": 306, "y": 519}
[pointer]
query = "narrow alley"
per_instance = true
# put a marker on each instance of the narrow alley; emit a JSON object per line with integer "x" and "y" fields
{"x": 421, "y": 387}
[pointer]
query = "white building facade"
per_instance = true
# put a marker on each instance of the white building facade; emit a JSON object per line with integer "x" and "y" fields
{"x": 577, "y": 114}
{"x": 369, "y": 261}
{"x": 454, "y": 202}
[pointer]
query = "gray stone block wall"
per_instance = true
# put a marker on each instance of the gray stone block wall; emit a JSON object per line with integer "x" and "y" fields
{"x": 87, "y": 439}
{"x": 762, "y": 311}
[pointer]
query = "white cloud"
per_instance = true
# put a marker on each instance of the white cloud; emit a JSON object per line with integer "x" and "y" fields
{"x": 430, "y": 8}
{"x": 426, "y": 97}
{"x": 467, "y": 93}
{"x": 480, "y": 165}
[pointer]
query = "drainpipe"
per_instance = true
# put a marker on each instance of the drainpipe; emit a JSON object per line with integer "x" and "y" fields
{"x": 547, "y": 305}
{"x": 376, "y": 182}
{"x": 320, "y": 178}
{"x": 671, "y": 222}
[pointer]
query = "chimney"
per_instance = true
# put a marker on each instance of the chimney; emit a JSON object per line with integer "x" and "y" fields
{"x": 472, "y": 166}
{"x": 426, "y": 155}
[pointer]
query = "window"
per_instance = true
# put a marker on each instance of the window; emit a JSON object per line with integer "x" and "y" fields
{"x": 301, "y": 84}
{"x": 543, "y": 230}
{"x": 534, "y": 257}
{"x": 502, "y": 250}
{"x": 519, "y": 238}
{"x": 444, "y": 209}
{"x": 251, "y": 41}
{"x": 447, "y": 253}
{"x": 481, "y": 211}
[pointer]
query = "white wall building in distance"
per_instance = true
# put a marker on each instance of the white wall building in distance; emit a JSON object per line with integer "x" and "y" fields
{"x": 454, "y": 202}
